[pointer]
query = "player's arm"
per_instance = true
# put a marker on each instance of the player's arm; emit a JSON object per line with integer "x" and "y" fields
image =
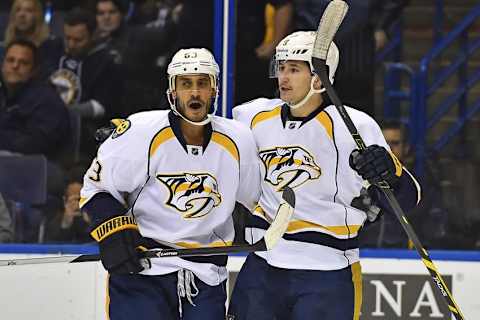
{"x": 114, "y": 174}
{"x": 377, "y": 163}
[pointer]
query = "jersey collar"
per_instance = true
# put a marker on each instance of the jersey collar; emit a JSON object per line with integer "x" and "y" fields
{"x": 286, "y": 115}
{"x": 175, "y": 124}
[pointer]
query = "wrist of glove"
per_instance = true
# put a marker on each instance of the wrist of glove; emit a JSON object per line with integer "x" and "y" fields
{"x": 368, "y": 204}
{"x": 118, "y": 240}
{"x": 376, "y": 165}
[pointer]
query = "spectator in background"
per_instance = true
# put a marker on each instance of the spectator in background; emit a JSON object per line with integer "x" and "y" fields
{"x": 33, "y": 118}
{"x": 140, "y": 51}
{"x": 6, "y": 226}
{"x": 86, "y": 77}
{"x": 26, "y": 21}
{"x": 252, "y": 53}
{"x": 429, "y": 218}
{"x": 362, "y": 33}
{"x": 70, "y": 225}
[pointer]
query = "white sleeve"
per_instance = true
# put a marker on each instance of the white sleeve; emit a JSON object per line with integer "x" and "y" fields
{"x": 249, "y": 187}
{"x": 119, "y": 168}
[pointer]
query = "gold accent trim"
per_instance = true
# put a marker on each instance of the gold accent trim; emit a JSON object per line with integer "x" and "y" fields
{"x": 265, "y": 115}
{"x": 195, "y": 245}
{"x": 162, "y": 136}
{"x": 397, "y": 163}
{"x": 107, "y": 297}
{"x": 82, "y": 202}
{"x": 357, "y": 289}
{"x": 326, "y": 122}
{"x": 226, "y": 142}
{"x": 113, "y": 225}
{"x": 299, "y": 225}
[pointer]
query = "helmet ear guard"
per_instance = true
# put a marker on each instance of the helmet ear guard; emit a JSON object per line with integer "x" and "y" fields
{"x": 190, "y": 62}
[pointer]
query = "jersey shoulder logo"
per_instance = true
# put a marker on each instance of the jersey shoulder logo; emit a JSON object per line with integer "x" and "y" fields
{"x": 193, "y": 194}
{"x": 288, "y": 166}
{"x": 121, "y": 126}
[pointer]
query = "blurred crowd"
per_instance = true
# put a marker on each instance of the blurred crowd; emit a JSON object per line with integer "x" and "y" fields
{"x": 69, "y": 67}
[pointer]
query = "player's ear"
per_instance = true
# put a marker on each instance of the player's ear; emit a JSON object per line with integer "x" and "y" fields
{"x": 317, "y": 83}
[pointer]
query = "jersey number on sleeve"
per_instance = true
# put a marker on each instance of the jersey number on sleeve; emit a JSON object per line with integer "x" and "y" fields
{"x": 96, "y": 168}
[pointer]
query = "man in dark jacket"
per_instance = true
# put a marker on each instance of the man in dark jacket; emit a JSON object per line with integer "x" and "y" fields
{"x": 141, "y": 52}
{"x": 87, "y": 78}
{"x": 33, "y": 119}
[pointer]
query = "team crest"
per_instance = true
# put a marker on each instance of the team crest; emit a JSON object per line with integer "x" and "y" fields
{"x": 121, "y": 126}
{"x": 67, "y": 84}
{"x": 193, "y": 194}
{"x": 289, "y": 166}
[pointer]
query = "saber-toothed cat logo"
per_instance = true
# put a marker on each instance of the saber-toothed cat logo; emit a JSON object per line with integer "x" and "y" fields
{"x": 289, "y": 166}
{"x": 193, "y": 194}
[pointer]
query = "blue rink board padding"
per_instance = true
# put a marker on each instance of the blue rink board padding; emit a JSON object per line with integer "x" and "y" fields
{"x": 365, "y": 253}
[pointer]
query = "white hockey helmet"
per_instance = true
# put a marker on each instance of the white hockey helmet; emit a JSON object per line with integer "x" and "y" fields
{"x": 193, "y": 61}
{"x": 299, "y": 46}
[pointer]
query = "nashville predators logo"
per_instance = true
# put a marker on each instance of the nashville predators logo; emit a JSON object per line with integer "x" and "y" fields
{"x": 67, "y": 84}
{"x": 289, "y": 166}
{"x": 193, "y": 194}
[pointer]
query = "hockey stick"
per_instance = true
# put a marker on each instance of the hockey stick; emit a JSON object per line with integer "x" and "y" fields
{"x": 272, "y": 235}
{"x": 328, "y": 26}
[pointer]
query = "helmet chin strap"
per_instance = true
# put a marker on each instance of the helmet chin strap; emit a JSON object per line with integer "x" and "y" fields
{"x": 310, "y": 93}
{"x": 173, "y": 105}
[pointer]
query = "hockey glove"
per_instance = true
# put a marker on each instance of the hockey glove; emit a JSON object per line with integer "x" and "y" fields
{"x": 367, "y": 203}
{"x": 375, "y": 164}
{"x": 118, "y": 239}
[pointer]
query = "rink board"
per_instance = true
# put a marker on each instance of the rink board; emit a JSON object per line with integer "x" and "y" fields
{"x": 396, "y": 285}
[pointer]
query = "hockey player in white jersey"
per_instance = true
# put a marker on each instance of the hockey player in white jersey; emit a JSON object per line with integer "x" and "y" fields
{"x": 171, "y": 179}
{"x": 314, "y": 271}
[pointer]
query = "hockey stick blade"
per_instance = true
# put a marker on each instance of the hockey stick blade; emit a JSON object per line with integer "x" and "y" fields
{"x": 272, "y": 235}
{"x": 329, "y": 23}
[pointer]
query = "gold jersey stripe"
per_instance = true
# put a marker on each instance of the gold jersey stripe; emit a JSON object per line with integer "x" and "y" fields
{"x": 107, "y": 298}
{"x": 326, "y": 122}
{"x": 194, "y": 245}
{"x": 162, "y": 136}
{"x": 357, "y": 287}
{"x": 227, "y": 143}
{"x": 82, "y": 201}
{"x": 300, "y": 225}
{"x": 398, "y": 165}
{"x": 265, "y": 115}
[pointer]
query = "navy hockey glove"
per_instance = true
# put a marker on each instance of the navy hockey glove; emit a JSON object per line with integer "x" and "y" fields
{"x": 118, "y": 239}
{"x": 376, "y": 164}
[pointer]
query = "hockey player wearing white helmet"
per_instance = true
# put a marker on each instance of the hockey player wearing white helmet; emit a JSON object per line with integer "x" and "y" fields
{"x": 171, "y": 178}
{"x": 314, "y": 271}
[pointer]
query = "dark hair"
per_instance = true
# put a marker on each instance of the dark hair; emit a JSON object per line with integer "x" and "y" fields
{"x": 396, "y": 125}
{"x": 122, "y": 5}
{"x": 78, "y": 16}
{"x": 26, "y": 44}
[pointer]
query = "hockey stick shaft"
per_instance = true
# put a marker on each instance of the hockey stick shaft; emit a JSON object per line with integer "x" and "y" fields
{"x": 329, "y": 24}
{"x": 272, "y": 235}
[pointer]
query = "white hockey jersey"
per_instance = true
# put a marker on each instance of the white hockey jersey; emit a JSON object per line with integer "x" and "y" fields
{"x": 181, "y": 195}
{"x": 310, "y": 156}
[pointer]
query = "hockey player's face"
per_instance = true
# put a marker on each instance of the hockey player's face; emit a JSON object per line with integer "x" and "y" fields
{"x": 194, "y": 95}
{"x": 294, "y": 79}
